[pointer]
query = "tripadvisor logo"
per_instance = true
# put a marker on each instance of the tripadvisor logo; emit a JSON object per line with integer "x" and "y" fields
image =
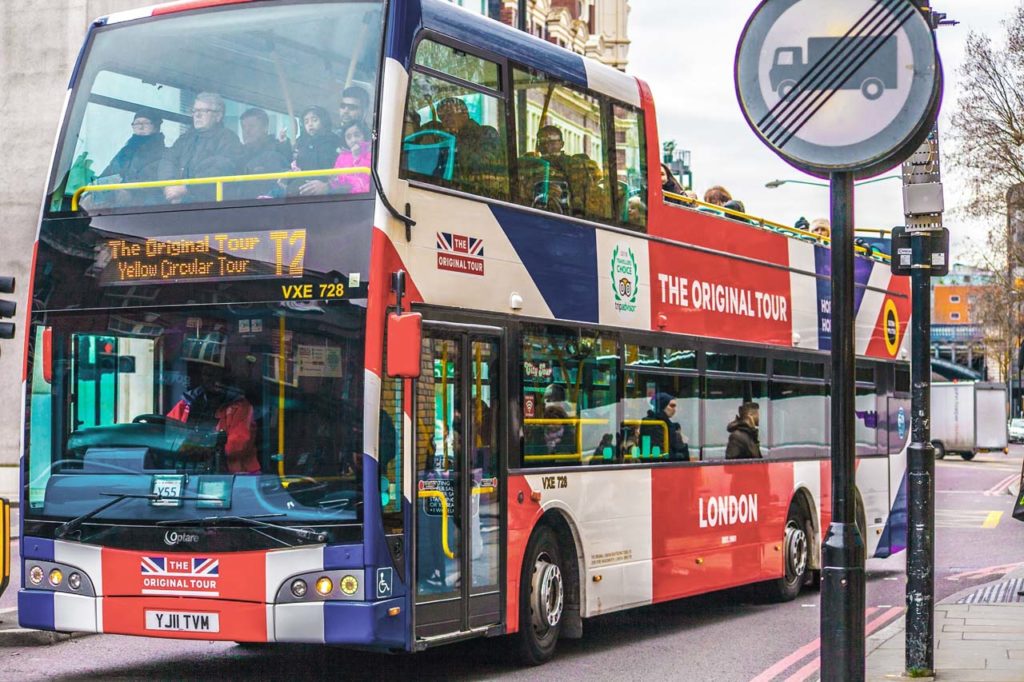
{"x": 625, "y": 279}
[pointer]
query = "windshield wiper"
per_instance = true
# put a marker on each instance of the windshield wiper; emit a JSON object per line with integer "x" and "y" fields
{"x": 254, "y": 521}
{"x": 74, "y": 524}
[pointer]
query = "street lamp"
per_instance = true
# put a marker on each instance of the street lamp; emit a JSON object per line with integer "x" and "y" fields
{"x": 779, "y": 183}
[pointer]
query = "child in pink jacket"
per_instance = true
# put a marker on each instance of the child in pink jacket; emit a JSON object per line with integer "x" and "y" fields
{"x": 356, "y": 154}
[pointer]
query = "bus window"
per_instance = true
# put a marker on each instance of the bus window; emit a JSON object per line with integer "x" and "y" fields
{"x": 563, "y": 165}
{"x": 389, "y": 453}
{"x": 661, "y": 418}
{"x": 630, "y": 166}
{"x": 569, "y": 398}
{"x": 147, "y": 111}
{"x": 455, "y": 132}
{"x": 799, "y": 419}
{"x": 723, "y": 399}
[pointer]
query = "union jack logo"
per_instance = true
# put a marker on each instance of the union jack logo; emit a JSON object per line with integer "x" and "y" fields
{"x": 157, "y": 565}
{"x": 457, "y": 243}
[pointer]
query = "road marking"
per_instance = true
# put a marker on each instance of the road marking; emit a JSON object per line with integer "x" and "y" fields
{"x": 965, "y": 518}
{"x": 1000, "y": 488}
{"x": 887, "y": 614}
{"x": 986, "y": 572}
{"x": 814, "y": 664}
{"x": 992, "y": 520}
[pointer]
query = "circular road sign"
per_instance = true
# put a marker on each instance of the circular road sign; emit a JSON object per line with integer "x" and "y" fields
{"x": 830, "y": 86}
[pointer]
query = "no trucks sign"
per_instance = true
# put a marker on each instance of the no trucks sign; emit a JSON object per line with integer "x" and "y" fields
{"x": 839, "y": 86}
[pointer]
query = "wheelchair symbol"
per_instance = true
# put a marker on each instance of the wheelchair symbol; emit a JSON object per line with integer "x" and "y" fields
{"x": 384, "y": 576}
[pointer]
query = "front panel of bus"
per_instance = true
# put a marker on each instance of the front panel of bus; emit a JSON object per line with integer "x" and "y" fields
{"x": 197, "y": 387}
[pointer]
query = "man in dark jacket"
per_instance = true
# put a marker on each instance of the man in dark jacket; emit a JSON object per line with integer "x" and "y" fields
{"x": 208, "y": 150}
{"x": 137, "y": 161}
{"x": 743, "y": 437}
{"x": 664, "y": 409}
{"x": 261, "y": 153}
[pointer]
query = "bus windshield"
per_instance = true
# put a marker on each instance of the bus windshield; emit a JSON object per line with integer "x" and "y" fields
{"x": 274, "y": 101}
{"x": 197, "y": 413}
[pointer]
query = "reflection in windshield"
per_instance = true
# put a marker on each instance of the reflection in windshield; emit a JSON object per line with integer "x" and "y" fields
{"x": 207, "y": 412}
{"x": 273, "y": 101}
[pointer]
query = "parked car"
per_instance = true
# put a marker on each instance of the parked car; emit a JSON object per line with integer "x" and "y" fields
{"x": 1015, "y": 431}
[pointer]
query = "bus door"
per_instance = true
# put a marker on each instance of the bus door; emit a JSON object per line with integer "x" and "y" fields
{"x": 458, "y": 432}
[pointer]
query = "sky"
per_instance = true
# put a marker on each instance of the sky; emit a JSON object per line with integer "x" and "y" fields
{"x": 685, "y": 49}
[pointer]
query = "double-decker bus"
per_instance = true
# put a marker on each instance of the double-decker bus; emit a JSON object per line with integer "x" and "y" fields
{"x": 367, "y": 323}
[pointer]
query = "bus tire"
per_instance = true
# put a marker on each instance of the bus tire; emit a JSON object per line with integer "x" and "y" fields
{"x": 968, "y": 456}
{"x": 796, "y": 555}
{"x": 872, "y": 88}
{"x": 541, "y": 597}
{"x": 940, "y": 449}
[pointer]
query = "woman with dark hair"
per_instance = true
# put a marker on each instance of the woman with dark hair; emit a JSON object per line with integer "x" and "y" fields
{"x": 316, "y": 149}
{"x": 669, "y": 184}
{"x": 668, "y": 438}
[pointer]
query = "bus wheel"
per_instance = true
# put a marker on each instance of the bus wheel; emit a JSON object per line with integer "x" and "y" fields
{"x": 796, "y": 554}
{"x": 968, "y": 456}
{"x": 940, "y": 449}
{"x": 872, "y": 88}
{"x": 541, "y": 598}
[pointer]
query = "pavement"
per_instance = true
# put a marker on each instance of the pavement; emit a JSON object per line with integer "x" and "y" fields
{"x": 979, "y": 637}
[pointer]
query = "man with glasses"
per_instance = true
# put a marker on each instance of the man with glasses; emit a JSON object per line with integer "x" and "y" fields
{"x": 137, "y": 161}
{"x": 208, "y": 150}
{"x": 354, "y": 103}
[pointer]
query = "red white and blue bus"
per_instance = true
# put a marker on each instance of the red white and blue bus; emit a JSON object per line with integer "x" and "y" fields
{"x": 366, "y": 322}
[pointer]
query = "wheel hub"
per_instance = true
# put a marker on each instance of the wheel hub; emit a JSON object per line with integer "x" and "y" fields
{"x": 796, "y": 550}
{"x": 548, "y": 595}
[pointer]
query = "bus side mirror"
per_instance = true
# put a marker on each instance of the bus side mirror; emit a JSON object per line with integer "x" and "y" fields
{"x": 405, "y": 338}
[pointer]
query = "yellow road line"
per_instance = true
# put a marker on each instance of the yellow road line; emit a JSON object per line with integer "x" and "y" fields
{"x": 992, "y": 520}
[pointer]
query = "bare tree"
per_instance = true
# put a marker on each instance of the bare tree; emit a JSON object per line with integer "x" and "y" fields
{"x": 988, "y": 137}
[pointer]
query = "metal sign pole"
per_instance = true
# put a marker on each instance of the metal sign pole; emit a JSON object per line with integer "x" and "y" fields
{"x": 920, "y": 473}
{"x": 842, "y": 573}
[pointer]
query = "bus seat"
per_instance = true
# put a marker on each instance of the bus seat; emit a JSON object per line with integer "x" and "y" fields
{"x": 433, "y": 159}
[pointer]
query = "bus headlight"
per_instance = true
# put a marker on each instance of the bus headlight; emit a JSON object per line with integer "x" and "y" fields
{"x": 299, "y": 588}
{"x": 56, "y": 577}
{"x": 75, "y": 581}
{"x": 324, "y": 585}
{"x": 35, "y": 575}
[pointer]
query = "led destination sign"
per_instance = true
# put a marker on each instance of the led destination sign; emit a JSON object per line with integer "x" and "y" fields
{"x": 203, "y": 257}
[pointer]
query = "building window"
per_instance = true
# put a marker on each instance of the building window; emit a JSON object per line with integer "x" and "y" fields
{"x": 955, "y": 317}
{"x": 954, "y": 298}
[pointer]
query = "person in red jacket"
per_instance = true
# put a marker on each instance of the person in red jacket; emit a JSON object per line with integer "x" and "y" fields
{"x": 226, "y": 409}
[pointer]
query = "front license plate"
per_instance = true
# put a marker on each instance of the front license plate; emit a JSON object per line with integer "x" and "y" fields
{"x": 167, "y": 490}
{"x": 182, "y": 621}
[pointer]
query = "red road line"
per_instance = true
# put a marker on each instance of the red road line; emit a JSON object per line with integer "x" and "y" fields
{"x": 797, "y": 656}
{"x": 812, "y": 667}
{"x": 999, "y": 487}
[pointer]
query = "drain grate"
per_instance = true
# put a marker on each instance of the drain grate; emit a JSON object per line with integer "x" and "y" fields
{"x": 1004, "y": 592}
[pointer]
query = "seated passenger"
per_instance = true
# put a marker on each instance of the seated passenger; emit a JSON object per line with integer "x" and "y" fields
{"x": 822, "y": 229}
{"x": 208, "y": 150}
{"x": 663, "y": 409}
{"x": 355, "y": 155}
{"x": 553, "y": 439}
{"x": 262, "y": 153}
{"x": 670, "y": 185}
{"x": 743, "y": 433}
{"x": 637, "y": 211}
{"x": 317, "y": 148}
{"x": 352, "y": 108}
{"x": 545, "y": 175}
{"x": 215, "y": 405}
{"x": 480, "y": 165}
{"x": 137, "y": 161}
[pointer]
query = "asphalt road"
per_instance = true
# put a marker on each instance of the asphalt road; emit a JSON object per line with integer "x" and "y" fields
{"x": 724, "y": 636}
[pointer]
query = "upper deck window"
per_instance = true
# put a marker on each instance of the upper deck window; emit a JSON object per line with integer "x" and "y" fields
{"x": 282, "y": 92}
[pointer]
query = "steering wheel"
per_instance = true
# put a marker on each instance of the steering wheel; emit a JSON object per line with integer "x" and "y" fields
{"x": 150, "y": 419}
